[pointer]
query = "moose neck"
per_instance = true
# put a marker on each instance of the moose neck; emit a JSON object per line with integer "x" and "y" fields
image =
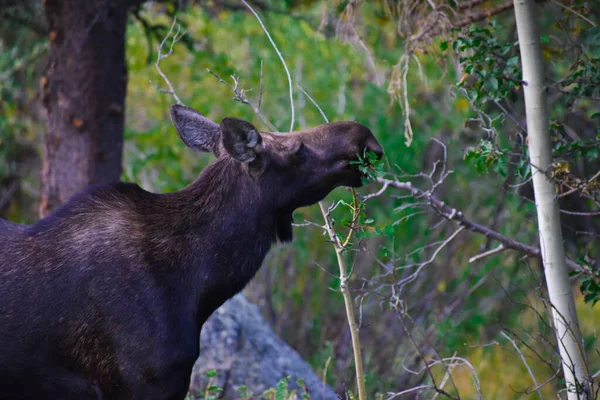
{"x": 224, "y": 237}
{"x": 202, "y": 244}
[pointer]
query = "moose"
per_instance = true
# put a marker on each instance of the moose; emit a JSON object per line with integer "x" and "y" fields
{"x": 105, "y": 298}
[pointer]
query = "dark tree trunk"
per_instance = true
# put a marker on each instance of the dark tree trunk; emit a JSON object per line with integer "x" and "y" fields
{"x": 83, "y": 91}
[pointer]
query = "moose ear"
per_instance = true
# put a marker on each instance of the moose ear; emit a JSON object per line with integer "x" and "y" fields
{"x": 241, "y": 139}
{"x": 196, "y": 131}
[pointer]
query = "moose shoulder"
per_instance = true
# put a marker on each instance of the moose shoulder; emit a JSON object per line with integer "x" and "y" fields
{"x": 105, "y": 298}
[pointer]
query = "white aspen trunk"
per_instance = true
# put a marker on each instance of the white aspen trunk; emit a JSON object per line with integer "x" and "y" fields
{"x": 551, "y": 240}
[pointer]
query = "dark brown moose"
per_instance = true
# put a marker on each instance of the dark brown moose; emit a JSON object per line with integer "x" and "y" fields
{"x": 105, "y": 298}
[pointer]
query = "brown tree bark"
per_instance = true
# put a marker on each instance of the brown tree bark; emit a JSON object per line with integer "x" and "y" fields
{"x": 83, "y": 91}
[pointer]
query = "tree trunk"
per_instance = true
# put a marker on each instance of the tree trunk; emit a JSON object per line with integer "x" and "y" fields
{"x": 83, "y": 91}
{"x": 560, "y": 291}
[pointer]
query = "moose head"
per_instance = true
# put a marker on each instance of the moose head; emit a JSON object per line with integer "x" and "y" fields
{"x": 291, "y": 170}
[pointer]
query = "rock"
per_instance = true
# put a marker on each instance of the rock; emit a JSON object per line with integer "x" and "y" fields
{"x": 239, "y": 344}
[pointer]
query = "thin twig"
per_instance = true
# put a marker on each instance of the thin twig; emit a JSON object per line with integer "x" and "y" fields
{"x": 376, "y": 194}
{"x": 480, "y": 16}
{"x": 422, "y": 265}
{"x": 344, "y": 276}
{"x": 160, "y": 56}
{"x": 260, "y": 88}
{"x": 487, "y": 253}
{"x": 240, "y": 95}
{"x": 585, "y": 213}
{"x": 314, "y": 103}
{"x": 407, "y": 391}
{"x": 355, "y": 215}
{"x": 325, "y": 374}
{"x": 524, "y": 362}
{"x": 447, "y": 375}
{"x": 438, "y": 389}
{"x": 280, "y": 57}
{"x": 583, "y": 17}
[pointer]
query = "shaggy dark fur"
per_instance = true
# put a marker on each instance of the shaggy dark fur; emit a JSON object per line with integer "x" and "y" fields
{"x": 105, "y": 298}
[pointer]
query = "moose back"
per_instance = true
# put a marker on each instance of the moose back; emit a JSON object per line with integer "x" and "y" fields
{"x": 106, "y": 297}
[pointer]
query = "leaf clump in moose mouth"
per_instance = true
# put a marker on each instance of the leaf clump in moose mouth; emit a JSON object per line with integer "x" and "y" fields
{"x": 370, "y": 166}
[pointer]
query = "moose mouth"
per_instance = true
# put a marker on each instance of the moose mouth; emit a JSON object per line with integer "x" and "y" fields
{"x": 347, "y": 175}
{"x": 358, "y": 178}
{"x": 354, "y": 176}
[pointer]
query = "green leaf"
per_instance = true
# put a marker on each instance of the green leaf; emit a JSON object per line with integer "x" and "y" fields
{"x": 513, "y": 60}
{"x": 501, "y": 167}
{"x": 492, "y": 83}
{"x": 389, "y": 231}
{"x": 211, "y": 374}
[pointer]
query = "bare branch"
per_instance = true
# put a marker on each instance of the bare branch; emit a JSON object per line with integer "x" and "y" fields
{"x": 583, "y": 17}
{"x": 314, "y": 102}
{"x": 346, "y": 31}
{"x": 398, "y": 84}
{"x": 487, "y": 253}
{"x": 447, "y": 375}
{"x": 161, "y": 56}
{"x": 524, "y": 362}
{"x": 452, "y": 214}
{"x": 401, "y": 315}
{"x": 260, "y": 90}
{"x": 344, "y": 276}
{"x": 309, "y": 223}
{"x": 240, "y": 95}
{"x": 407, "y": 391}
{"x": 422, "y": 265}
{"x": 280, "y": 57}
{"x": 585, "y": 213}
{"x": 476, "y": 17}
{"x": 376, "y": 194}
{"x": 325, "y": 374}
{"x": 463, "y": 5}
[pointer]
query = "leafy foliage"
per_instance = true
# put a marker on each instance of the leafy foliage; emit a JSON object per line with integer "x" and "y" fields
{"x": 492, "y": 69}
{"x": 370, "y": 166}
{"x": 281, "y": 391}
